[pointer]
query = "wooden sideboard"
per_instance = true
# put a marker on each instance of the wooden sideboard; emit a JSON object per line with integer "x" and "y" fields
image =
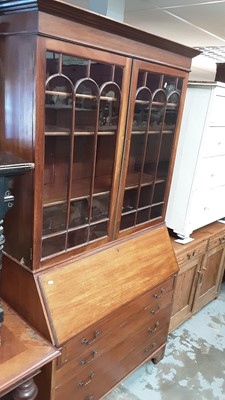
{"x": 201, "y": 264}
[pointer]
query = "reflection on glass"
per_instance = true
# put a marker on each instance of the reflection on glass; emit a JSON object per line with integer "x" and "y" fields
{"x": 143, "y": 216}
{"x": 53, "y": 245}
{"x": 159, "y": 192}
{"x": 52, "y": 63}
{"x": 156, "y": 211}
{"x": 165, "y": 154}
{"x": 106, "y": 146}
{"x": 169, "y": 84}
{"x": 98, "y": 231}
{"x": 101, "y": 72}
{"x": 86, "y": 106}
{"x": 79, "y": 211}
{"x": 151, "y": 157}
{"x": 77, "y": 237}
{"x": 135, "y": 159}
{"x": 74, "y": 68}
{"x": 58, "y": 106}
{"x": 54, "y": 218}
{"x": 130, "y": 200}
{"x": 56, "y": 168}
{"x": 100, "y": 207}
{"x": 127, "y": 221}
{"x": 82, "y": 166}
{"x": 142, "y": 109}
{"x": 145, "y": 196}
{"x": 109, "y": 107}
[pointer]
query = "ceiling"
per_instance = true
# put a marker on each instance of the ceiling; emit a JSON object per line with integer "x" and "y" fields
{"x": 195, "y": 23}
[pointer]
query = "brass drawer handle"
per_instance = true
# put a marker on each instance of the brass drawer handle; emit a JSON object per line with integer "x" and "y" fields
{"x": 190, "y": 255}
{"x": 150, "y": 330}
{"x": 155, "y": 311}
{"x": 89, "y": 379}
{"x": 156, "y": 295}
{"x": 85, "y": 362}
{"x": 222, "y": 239}
{"x": 86, "y": 341}
{"x": 147, "y": 350}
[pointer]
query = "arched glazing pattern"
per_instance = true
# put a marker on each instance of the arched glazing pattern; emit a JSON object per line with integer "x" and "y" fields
{"x": 81, "y": 128}
{"x": 154, "y": 122}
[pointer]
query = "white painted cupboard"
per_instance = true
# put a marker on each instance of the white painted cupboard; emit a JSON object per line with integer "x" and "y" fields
{"x": 197, "y": 195}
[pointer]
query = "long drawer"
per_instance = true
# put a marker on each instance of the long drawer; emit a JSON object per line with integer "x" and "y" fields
{"x": 129, "y": 335}
{"x": 100, "y": 335}
{"x": 94, "y": 382}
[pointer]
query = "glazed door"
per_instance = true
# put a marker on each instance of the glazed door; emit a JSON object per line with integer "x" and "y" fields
{"x": 84, "y": 107}
{"x": 151, "y": 140}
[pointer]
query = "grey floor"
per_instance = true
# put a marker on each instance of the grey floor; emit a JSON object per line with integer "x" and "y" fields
{"x": 193, "y": 367}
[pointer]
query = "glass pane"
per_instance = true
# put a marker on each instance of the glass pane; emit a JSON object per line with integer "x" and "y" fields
{"x": 52, "y": 63}
{"x": 145, "y": 196}
{"x": 179, "y": 84}
{"x": 101, "y": 72}
{"x": 100, "y": 207}
{"x": 169, "y": 84}
{"x": 79, "y": 211}
{"x": 54, "y": 218}
{"x": 130, "y": 200}
{"x": 109, "y": 107}
{"x": 154, "y": 81}
{"x": 56, "y": 169}
{"x": 82, "y": 166}
{"x": 104, "y": 163}
{"x": 98, "y": 231}
{"x": 58, "y": 106}
{"x": 151, "y": 158}
{"x": 143, "y": 216}
{"x": 165, "y": 154}
{"x": 159, "y": 192}
{"x": 127, "y": 221}
{"x": 142, "y": 110}
{"x": 118, "y": 76}
{"x": 135, "y": 160}
{"x": 86, "y": 103}
{"x": 156, "y": 211}
{"x": 141, "y": 79}
{"x": 53, "y": 245}
{"x": 74, "y": 68}
{"x": 77, "y": 237}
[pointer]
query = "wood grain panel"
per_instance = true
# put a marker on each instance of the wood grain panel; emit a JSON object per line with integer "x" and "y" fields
{"x": 96, "y": 285}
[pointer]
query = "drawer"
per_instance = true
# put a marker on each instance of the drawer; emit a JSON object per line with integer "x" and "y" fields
{"x": 192, "y": 252}
{"x": 96, "y": 337}
{"x": 217, "y": 240}
{"x": 211, "y": 172}
{"x": 131, "y": 332}
{"x": 93, "y": 382}
{"x": 214, "y": 143}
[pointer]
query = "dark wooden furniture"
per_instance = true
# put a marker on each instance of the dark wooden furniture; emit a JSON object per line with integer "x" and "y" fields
{"x": 23, "y": 355}
{"x": 10, "y": 166}
{"x": 201, "y": 263}
{"x": 100, "y": 118}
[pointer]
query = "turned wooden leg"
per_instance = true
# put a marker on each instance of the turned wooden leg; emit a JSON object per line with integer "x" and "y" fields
{"x": 159, "y": 355}
{"x": 26, "y": 391}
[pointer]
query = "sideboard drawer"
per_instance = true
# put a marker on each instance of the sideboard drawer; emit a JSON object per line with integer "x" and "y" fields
{"x": 217, "y": 240}
{"x": 193, "y": 252}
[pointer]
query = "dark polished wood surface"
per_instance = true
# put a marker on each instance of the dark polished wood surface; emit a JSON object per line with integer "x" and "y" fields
{"x": 23, "y": 352}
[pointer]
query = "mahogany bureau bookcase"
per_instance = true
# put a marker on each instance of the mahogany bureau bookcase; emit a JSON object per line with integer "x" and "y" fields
{"x": 96, "y": 105}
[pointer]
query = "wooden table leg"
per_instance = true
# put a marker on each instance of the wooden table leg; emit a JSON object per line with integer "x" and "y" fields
{"x": 26, "y": 391}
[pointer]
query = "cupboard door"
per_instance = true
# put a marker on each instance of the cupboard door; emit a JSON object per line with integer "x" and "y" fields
{"x": 85, "y": 99}
{"x": 184, "y": 293}
{"x": 210, "y": 277}
{"x": 154, "y": 109}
